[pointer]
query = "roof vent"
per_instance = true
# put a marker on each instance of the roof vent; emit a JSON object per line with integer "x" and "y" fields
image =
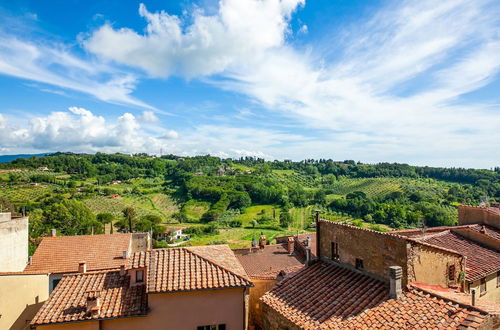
{"x": 395, "y": 274}
{"x": 82, "y": 267}
{"x": 53, "y": 232}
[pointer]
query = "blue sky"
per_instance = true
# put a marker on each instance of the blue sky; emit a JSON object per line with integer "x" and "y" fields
{"x": 398, "y": 81}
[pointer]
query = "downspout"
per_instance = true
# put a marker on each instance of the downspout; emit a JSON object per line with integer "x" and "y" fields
{"x": 245, "y": 307}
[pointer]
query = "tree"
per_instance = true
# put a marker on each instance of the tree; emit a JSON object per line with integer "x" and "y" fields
{"x": 5, "y": 205}
{"x": 130, "y": 217}
{"x": 285, "y": 218}
{"x": 106, "y": 218}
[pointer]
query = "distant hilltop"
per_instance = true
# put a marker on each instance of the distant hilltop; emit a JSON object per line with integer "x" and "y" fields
{"x": 9, "y": 158}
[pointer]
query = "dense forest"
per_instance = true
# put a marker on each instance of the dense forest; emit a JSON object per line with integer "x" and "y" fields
{"x": 81, "y": 193}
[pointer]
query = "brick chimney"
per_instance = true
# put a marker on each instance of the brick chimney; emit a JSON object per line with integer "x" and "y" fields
{"x": 123, "y": 272}
{"x": 53, "y": 233}
{"x": 93, "y": 302}
{"x": 395, "y": 275}
{"x": 82, "y": 267}
{"x": 262, "y": 241}
{"x": 291, "y": 243}
{"x": 125, "y": 254}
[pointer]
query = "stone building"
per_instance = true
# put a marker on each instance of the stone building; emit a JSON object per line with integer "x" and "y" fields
{"x": 368, "y": 279}
{"x": 13, "y": 242}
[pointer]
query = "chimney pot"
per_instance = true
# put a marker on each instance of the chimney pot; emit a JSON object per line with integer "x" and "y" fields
{"x": 82, "y": 267}
{"x": 53, "y": 232}
{"x": 291, "y": 243}
{"x": 262, "y": 241}
{"x": 395, "y": 275}
{"x": 473, "y": 296}
{"x": 125, "y": 254}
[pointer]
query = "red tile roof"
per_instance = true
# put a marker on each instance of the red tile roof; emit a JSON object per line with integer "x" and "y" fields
{"x": 67, "y": 303}
{"x": 487, "y": 230}
{"x": 268, "y": 262}
{"x": 62, "y": 254}
{"x": 189, "y": 269}
{"x": 328, "y": 296}
{"x": 481, "y": 260}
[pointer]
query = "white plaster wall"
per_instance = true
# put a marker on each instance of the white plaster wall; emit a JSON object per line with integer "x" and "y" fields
{"x": 13, "y": 243}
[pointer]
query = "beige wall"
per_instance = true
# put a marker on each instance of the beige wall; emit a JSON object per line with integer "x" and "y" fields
{"x": 13, "y": 243}
{"x": 21, "y": 296}
{"x": 177, "y": 311}
{"x": 478, "y": 237}
{"x": 492, "y": 291}
{"x": 379, "y": 251}
{"x": 260, "y": 288}
{"x": 430, "y": 265}
{"x": 470, "y": 215}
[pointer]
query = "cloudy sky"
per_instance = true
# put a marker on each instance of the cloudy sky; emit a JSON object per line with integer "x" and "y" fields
{"x": 399, "y": 81}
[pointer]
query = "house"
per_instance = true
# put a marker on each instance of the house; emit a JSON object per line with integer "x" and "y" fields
{"x": 479, "y": 244}
{"x": 368, "y": 279}
{"x": 172, "y": 233}
{"x": 43, "y": 168}
{"x": 266, "y": 265}
{"x": 180, "y": 288}
{"x": 59, "y": 255}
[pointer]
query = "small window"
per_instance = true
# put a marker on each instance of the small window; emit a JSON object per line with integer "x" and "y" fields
{"x": 359, "y": 263}
{"x": 451, "y": 273}
{"x": 335, "y": 251}
{"x": 483, "y": 286}
{"x": 55, "y": 283}
{"x": 139, "y": 276}
{"x": 212, "y": 327}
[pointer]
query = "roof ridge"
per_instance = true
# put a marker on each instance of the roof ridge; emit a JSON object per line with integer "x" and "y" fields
{"x": 217, "y": 265}
{"x": 386, "y": 233}
{"x": 433, "y": 235}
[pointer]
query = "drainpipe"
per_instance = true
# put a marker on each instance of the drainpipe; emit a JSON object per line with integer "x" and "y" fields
{"x": 318, "y": 242}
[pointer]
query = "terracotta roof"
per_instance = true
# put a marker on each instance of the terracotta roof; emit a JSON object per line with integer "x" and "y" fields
{"x": 62, "y": 254}
{"x": 268, "y": 262}
{"x": 328, "y": 296}
{"x": 460, "y": 297}
{"x": 189, "y": 269}
{"x": 487, "y": 230}
{"x": 417, "y": 232}
{"x": 67, "y": 303}
{"x": 301, "y": 238}
{"x": 481, "y": 260}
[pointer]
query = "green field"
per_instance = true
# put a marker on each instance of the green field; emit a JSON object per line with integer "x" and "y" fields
{"x": 372, "y": 187}
{"x": 193, "y": 210}
{"x": 142, "y": 204}
{"x": 25, "y": 193}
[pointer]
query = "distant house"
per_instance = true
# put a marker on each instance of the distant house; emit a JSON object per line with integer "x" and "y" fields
{"x": 43, "y": 168}
{"x": 114, "y": 196}
{"x": 172, "y": 233}
{"x": 201, "y": 288}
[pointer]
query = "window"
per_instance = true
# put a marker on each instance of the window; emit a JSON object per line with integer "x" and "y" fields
{"x": 451, "y": 273}
{"x": 139, "y": 276}
{"x": 212, "y": 327}
{"x": 359, "y": 263}
{"x": 55, "y": 283}
{"x": 335, "y": 251}
{"x": 482, "y": 289}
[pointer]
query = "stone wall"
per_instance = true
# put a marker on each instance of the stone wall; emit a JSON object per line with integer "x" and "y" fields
{"x": 272, "y": 320}
{"x": 378, "y": 250}
{"x": 255, "y": 305}
{"x": 483, "y": 215}
{"x": 428, "y": 264}
{"x": 13, "y": 243}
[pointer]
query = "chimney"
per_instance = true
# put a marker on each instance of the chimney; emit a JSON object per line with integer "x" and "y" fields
{"x": 307, "y": 242}
{"x": 483, "y": 229}
{"x": 125, "y": 254}
{"x": 308, "y": 255}
{"x": 262, "y": 241}
{"x": 30, "y": 260}
{"x": 122, "y": 270}
{"x": 93, "y": 303}
{"x": 473, "y": 294}
{"x": 395, "y": 274}
{"x": 291, "y": 243}
{"x": 82, "y": 267}
{"x": 53, "y": 232}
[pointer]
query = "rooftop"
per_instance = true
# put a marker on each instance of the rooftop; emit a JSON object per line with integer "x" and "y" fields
{"x": 67, "y": 303}
{"x": 328, "y": 296}
{"x": 62, "y": 254}
{"x": 481, "y": 260}
{"x": 267, "y": 263}
{"x": 191, "y": 268}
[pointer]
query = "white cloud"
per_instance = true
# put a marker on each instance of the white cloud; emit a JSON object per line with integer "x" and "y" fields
{"x": 54, "y": 64}
{"x": 240, "y": 32}
{"x": 148, "y": 116}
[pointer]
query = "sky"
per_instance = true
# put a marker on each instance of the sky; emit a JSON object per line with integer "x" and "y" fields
{"x": 374, "y": 81}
